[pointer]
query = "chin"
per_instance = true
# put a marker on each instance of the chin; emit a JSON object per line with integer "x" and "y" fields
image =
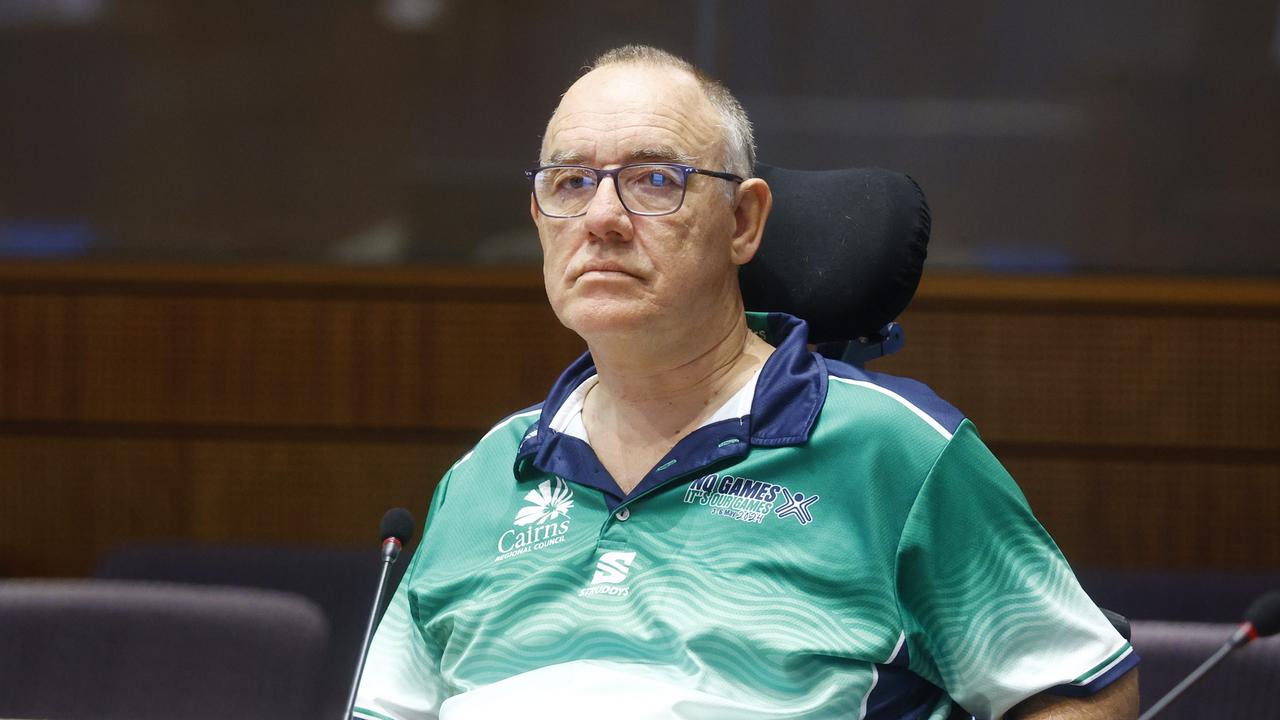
{"x": 599, "y": 317}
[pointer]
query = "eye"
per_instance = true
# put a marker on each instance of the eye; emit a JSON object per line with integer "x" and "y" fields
{"x": 572, "y": 180}
{"x": 654, "y": 177}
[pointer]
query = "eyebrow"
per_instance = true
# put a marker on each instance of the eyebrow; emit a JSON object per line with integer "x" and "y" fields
{"x": 565, "y": 157}
{"x": 661, "y": 153}
{"x": 658, "y": 153}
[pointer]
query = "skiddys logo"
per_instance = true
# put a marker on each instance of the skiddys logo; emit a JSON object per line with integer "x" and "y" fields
{"x": 540, "y": 524}
{"x": 749, "y": 500}
{"x": 611, "y": 574}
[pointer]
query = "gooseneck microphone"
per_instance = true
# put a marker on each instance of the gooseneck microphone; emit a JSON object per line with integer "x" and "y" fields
{"x": 1260, "y": 620}
{"x": 395, "y": 532}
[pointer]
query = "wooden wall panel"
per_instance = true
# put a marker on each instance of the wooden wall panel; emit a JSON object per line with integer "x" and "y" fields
{"x": 263, "y": 491}
{"x": 272, "y": 361}
{"x": 1116, "y": 379}
{"x": 1154, "y": 513}
{"x": 37, "y": 356}
{"x": 66, "y": 499}
{"x": 277, "y": 404}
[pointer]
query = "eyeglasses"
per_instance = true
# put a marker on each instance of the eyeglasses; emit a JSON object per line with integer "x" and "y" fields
{"x": 565, "y": 191}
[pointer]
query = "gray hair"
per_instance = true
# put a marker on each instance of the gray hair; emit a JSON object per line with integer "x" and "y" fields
{"x": 739, "y": 141}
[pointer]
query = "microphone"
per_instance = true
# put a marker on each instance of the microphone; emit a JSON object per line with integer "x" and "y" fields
{"x": 395, "y": 531}
{"x": 1262, "y": 619}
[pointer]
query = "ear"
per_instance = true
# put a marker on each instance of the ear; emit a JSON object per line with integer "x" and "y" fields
{"x": 533, "y": 209}
{"x": 754, "y": 201}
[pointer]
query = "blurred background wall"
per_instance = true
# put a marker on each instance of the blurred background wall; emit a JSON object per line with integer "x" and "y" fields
{"x": 266, "y": 267}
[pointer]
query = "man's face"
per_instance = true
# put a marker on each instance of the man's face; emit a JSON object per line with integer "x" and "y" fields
{"x": 612, "y": 272}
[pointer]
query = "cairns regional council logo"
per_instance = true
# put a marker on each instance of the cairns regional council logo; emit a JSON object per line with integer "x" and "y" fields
{"x": 749, "y": 500}
{"x": 540, "y": 524}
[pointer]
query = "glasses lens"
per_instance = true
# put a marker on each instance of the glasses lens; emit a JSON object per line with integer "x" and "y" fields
{"x": 564, "y": 191}
{"x": 651, "y": 189}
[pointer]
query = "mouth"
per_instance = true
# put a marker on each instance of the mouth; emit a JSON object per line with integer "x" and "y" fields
{"x": 603, "y": 271}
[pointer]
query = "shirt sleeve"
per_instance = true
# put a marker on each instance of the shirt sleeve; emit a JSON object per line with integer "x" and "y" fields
{"x": 401, "y": 679}
{"x": 993, "y": 612}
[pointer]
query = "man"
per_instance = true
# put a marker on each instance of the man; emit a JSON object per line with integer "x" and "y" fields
{"x": 705, "y": 520}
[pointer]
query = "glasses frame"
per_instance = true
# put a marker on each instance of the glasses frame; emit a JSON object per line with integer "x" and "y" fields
{"x": 600, "y": 174}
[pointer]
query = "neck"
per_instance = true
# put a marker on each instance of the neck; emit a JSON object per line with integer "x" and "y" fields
{"x": 658, "y": 397}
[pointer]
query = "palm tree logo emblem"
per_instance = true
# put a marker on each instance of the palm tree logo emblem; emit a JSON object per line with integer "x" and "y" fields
{"x": 547, "y": 502}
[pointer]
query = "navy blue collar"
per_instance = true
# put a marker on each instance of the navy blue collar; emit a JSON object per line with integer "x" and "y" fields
{"x": 789, "y": 394}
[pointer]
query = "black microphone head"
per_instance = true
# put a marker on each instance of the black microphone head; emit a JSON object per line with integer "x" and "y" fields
{"x": 398, "y": 524}
{"x": 1264, "y": 614}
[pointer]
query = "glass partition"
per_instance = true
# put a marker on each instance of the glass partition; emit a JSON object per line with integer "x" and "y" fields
{"x": 1049, "y": 137}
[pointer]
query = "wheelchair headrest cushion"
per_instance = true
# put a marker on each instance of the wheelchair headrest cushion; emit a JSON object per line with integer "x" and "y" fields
{"x": 843, "y": 249}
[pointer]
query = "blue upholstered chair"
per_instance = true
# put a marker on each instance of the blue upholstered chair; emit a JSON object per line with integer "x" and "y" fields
{"x": 844, "y": 250}
{"x": 147, "y": 651}
{"x": 1242, "y": 686}
{"x": 340, "y": 581}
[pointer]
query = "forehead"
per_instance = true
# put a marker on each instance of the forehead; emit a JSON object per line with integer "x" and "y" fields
{"x": 623, "y": 112}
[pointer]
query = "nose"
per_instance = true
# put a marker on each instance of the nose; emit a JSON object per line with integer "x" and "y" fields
{"x": 606, "y": 218}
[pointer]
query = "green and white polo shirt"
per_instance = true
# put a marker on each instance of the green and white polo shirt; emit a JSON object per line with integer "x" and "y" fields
{"x": 834, "y": 543}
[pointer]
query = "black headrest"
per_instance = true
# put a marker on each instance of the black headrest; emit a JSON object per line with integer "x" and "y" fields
{"x": 843, "y": 249}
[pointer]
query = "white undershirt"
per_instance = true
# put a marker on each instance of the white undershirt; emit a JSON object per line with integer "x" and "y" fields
{"x": 568, "y": 419}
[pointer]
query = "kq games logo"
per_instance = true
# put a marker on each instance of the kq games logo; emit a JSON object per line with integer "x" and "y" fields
{"x": 749, "y": 500}
{"x": 611, "y": 571}
{"x": 536, "y": 523}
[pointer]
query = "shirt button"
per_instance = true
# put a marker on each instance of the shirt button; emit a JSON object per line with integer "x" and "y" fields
{"x": 623, "y": 514}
